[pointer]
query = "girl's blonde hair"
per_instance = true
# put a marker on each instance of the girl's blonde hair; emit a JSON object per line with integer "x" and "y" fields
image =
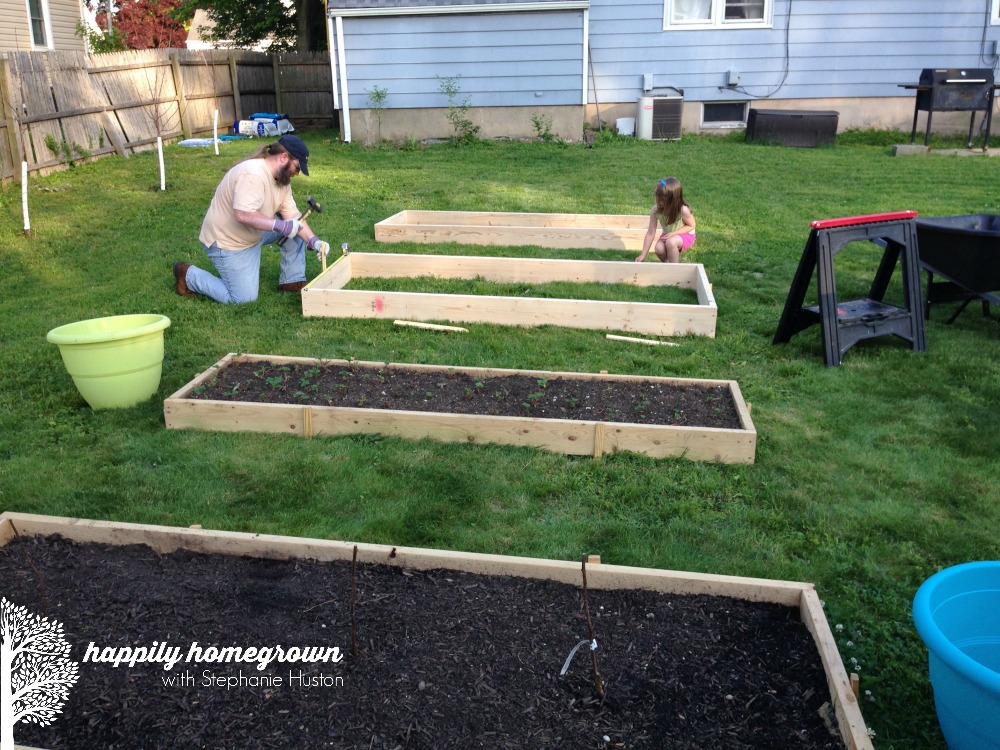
{"x": 669, "y": 200}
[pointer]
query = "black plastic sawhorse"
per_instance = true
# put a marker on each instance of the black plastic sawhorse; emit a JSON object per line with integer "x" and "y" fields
{"x": 847, "y": 322}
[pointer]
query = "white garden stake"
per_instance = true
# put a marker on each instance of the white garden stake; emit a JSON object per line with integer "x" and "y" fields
{"x": 24, "y": 198}
{"x": 215, "y": 131}
{"x": 647, "y": 342}
{"x": 159, "y": 150}
{"x": 430, "y": 326}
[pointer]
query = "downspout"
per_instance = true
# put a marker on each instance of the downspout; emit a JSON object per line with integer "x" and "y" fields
{"x": 586, "y": 54}
{"x": 600, "y": 125}
{"x": 330, "y": 45}
{"x": 588, "y": 63}
{"x": 342, "y": 62}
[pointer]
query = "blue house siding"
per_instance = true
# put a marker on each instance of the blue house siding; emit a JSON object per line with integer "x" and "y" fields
{"x": 844, "y": 54}
{"x": 501, "y": 59}
{"x": 836, "y": 48}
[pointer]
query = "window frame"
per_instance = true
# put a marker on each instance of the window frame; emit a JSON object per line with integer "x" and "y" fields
{"x": 707, "y": 124}
{"x": 718, "y": 21}
{"x": 46, "y": 22}
{"x": 995, "y": 13}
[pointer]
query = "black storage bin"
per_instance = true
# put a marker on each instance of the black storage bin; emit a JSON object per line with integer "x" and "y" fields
{"x": 791, "y": 127}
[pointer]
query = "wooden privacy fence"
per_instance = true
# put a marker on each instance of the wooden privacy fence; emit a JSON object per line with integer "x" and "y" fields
{"x": 61, "y": 107}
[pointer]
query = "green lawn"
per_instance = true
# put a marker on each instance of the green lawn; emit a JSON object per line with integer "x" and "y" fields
{"x": 869, "y": 477}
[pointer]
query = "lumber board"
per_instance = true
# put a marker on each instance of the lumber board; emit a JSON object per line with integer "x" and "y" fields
{"x": 640, "y": 317}
{"x": 513, "y": 218}
{"x": 702, "y": 287}
{"x": 429, "y": 326}
{"x": 600, "y": 575}
{"x": 526, "y": 270}
{"x": 847, "y": 708}
{"x": 634, "y": 340}
{"x": 235, "y": 416}
{"x": 337, "y": 274}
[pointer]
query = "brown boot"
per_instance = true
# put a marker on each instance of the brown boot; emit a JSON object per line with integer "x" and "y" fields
{"x": 180, "y": 283}
{"x": 292, "y": 286}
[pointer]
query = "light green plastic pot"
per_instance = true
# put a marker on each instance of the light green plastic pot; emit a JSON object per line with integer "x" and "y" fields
{"x": 116, "y": 361}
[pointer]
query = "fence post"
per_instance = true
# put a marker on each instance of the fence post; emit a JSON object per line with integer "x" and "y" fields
{"x": 235, "y": 76}
{"x": 175, "y": 66}
{"x": 276, "y": 67}
{"x": 13, "y": 124}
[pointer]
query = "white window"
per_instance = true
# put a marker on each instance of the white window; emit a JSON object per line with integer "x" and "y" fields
{"x": 38, "y": 20}
{"x": 719, "y": 14}
{"x": 995, "y": 13}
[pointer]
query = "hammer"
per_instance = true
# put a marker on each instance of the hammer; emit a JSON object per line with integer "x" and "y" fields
{"x": 313, "y": 206}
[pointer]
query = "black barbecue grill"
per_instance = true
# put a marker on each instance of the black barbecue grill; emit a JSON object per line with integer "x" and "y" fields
{"x": 954, "y": 90}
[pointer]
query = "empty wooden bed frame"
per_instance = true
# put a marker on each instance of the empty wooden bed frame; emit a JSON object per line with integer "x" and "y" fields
{"x": 326, "y": 297}
{"x": 589, "y": 231}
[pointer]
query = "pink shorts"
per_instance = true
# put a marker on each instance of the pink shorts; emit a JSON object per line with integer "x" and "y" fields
{"x": 686, "y": 240}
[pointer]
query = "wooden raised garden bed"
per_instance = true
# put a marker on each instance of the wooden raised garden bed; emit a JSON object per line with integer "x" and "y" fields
{"x": 189, "y": 586}
{"x": 580, "y": 431}
{"x": 593, "y": 231}
{"x": 325, "y": 296}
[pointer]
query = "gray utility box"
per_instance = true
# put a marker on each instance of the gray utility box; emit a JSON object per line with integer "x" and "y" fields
{"x": 792, "y": 127}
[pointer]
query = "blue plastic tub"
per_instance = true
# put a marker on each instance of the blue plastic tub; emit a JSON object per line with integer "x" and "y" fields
{"x": 957, "y": 614}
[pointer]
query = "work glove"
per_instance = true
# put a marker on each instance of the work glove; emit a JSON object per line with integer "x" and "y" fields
{"x": 287, "y": 227}
{"x": 322, "y": 248}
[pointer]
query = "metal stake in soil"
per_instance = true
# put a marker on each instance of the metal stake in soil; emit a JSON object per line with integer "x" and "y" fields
{"x": 598, "y": 682}
{"x": 354, "y": 598}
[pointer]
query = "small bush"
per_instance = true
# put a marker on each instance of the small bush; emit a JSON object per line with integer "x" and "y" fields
{"x": 466, "y": 131}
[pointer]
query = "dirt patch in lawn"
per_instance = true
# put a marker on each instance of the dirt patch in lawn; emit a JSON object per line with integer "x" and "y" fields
{"x": 444, "y": 660}
{"x": 641, "y": 402}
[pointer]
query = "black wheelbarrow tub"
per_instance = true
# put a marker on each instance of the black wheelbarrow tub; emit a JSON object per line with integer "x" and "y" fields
{"x": 963, "y": 249}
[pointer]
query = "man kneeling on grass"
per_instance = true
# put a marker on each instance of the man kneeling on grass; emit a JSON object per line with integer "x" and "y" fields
{"x": 252, "y": 207}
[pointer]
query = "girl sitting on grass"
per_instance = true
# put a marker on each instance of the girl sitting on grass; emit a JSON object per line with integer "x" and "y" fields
{"x": 676, "y": 220}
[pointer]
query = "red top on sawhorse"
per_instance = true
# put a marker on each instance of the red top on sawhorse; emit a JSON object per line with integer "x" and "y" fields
{"x": 870, "y": 219}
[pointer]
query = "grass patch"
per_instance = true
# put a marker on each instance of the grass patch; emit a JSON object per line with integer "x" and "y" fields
{"x": 869, "y": 477}
{"x": 550, "y": 290}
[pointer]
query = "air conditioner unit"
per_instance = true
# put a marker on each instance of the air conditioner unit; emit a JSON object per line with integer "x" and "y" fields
{"x": 658, "y": 118}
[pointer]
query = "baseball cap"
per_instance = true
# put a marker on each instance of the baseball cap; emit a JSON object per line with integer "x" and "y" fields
{"x": 294, "y": 145}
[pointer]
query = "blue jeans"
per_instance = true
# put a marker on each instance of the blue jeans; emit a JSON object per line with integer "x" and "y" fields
{"x": 239, "y": 270}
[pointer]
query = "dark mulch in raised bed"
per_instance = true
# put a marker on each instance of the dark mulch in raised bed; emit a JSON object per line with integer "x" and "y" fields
{"x": 445, "y": 659}
{"x": 642, "y": 402}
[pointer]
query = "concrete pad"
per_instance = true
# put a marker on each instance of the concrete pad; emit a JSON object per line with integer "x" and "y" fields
{"x": 909, "y": 149}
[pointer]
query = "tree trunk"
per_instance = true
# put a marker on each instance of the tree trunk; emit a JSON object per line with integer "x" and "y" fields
{"x": 310, "y": 25}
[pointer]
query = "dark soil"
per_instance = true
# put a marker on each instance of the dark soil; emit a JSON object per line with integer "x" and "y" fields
{"x": 642, "y": 402}
{"x": 444, "y": 660}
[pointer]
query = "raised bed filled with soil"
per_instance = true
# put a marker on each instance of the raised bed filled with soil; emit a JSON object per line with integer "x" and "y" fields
{"x": 565, "y": 412}
{"x": 587, "y": 231}
{"x": 326, "y": 295}
{"x": 414, "y": 648}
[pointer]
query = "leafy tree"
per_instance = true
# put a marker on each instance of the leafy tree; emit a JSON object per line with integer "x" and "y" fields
{"x": 98, "y": 43}
{"x": 144, "y": 24}
{"x": 246, "y": 23}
